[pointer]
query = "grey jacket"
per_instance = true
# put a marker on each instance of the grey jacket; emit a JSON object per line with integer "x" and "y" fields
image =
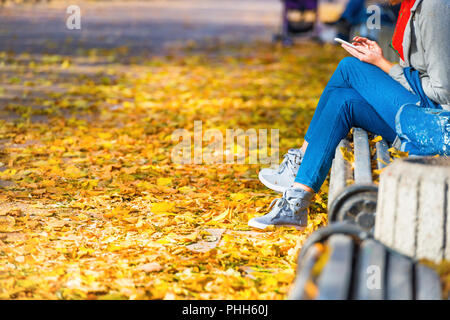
{"x": 426, "y": 48}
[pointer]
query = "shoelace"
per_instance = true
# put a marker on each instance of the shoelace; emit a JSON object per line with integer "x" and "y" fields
{"x": 280, "y": 202}
{"x": 289, "y": 161}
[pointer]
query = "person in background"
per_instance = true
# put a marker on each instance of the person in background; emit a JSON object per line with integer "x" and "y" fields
{"x": 355, "y": 13}
{"x": 407, "y": 102}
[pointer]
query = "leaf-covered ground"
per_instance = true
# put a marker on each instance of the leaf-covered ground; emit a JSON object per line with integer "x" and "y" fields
{"x": 91, "y": 205}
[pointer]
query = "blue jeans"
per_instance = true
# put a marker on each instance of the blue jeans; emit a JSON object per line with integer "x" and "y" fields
{"x": 357, "y": 95}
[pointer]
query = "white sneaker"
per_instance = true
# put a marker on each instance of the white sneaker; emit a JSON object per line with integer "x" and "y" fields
{"x": 282, "y": 178}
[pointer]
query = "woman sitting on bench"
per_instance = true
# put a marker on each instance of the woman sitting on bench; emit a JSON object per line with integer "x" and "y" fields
{"x": 369, "y": 92}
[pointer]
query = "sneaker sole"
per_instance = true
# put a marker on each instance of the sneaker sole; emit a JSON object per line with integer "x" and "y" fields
{"x": 270, "y": 185}
{"x": 262, "y": 226}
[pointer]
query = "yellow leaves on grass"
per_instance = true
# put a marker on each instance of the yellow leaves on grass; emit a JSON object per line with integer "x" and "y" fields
{"x": 47, "y": 183}
{"x": 117, "y": 212}
{"x": 102, "y": 212}
{"x": 150, "y": 267}
{"x": 226, "y": 215}
{"x": 164, "y": 181}
{"x": 65, "y": 64}
{"x": 74, "y": 172}
{"x": 238, "y": 196}
{"x": 163, "y": 208}
{"x": 7, "y": 223}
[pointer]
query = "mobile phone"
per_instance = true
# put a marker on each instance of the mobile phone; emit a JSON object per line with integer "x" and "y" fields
{"x": 343, "y": 41}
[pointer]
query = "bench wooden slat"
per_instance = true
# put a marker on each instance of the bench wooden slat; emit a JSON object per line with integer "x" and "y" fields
{"x": 304, "y": 271}
{"x": 383, "y": 157}
{"x": 399, "y": 277}
{"x": 428, "y": 284}
{"x": 340, "y": 172}
{"x": 363, "y": 170}
{"x": 335, "y": 280}
{"x": 370, "y": 271}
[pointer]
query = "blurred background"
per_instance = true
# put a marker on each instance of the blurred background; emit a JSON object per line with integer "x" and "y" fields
{"x": 91, "y": 204}
{"x": 37, "y": 26}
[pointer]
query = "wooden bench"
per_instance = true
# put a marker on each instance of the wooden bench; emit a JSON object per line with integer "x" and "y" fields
{"x": 411, "y": 225}
{"x": 342, "y": 262}
{"x": 352, "y": 194}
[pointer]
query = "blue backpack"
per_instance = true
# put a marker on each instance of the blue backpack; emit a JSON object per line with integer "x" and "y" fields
{"x": 422, "y": 129}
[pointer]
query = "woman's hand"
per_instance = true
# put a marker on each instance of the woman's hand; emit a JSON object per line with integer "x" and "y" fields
{"x": 369, "y": 51}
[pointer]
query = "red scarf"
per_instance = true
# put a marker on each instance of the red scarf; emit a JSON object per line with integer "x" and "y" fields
{"x": 402, "y": 21}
